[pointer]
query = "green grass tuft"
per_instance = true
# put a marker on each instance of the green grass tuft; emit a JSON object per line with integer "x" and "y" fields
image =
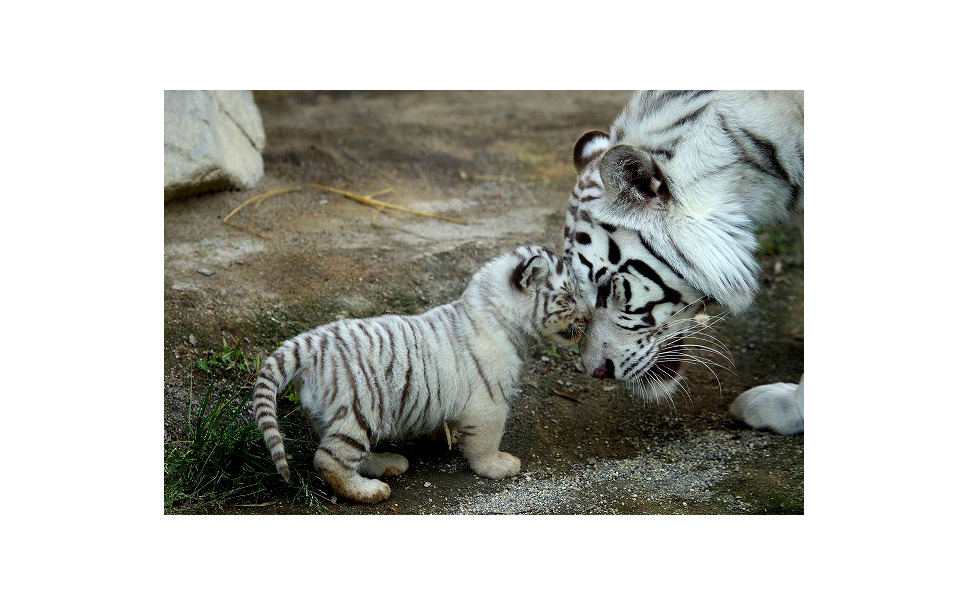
{"x": 223, "y": 459}
{"x": 549, "y": 350}
{"x": 227, "y": 360}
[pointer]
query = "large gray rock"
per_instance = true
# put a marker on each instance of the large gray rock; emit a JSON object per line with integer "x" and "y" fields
{"x": 213, "y": 141}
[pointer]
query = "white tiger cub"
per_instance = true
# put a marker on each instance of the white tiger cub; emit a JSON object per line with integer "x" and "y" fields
{"x": 390, "y": 377}
{"x": 663, "y": 218}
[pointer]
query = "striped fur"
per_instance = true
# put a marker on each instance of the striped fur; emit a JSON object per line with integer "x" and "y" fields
{"x": 663, "y": 217}
{"x": 369, "y": 380}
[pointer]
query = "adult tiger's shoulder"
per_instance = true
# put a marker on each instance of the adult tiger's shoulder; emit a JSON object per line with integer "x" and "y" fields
{"x": 663, "y": 217}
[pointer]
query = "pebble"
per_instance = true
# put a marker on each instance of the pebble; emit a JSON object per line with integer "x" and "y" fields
{"x": 206, "y": 272}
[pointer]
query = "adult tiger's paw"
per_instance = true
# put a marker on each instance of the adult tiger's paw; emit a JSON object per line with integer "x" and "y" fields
{"x": 777, "y": 407}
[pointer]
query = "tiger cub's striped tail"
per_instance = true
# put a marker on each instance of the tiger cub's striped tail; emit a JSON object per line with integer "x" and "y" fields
{"x": 277, "y": 370}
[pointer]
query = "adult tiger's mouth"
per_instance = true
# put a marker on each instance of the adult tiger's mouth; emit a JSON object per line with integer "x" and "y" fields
{"x": 669, "y": 361}
{"x": 667, "y": 369}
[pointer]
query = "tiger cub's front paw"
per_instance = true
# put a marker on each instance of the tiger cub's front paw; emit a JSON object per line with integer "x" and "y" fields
{"x": 498, "y": 466}
{"x": 383, "y": 465}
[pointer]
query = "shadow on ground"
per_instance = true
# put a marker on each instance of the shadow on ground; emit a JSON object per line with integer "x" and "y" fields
{"x": 502, "y": 162}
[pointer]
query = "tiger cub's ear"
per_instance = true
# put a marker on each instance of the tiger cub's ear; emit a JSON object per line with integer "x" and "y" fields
{"x": 591, "y": 145}
{"x": 529, "y": 271}
{"x": 632, "y": 177}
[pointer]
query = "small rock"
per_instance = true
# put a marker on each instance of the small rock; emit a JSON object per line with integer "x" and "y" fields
{"x": 206, "y": 272}
{"x": 192, "y": 340}
{"x": 427, "y": 484}
{"x": 545, "y": 358}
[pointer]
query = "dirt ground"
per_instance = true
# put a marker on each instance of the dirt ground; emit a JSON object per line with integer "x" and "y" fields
{"x": 502, "y": 162}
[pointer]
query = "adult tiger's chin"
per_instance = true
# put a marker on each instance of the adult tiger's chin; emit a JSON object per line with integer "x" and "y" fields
{"x": 660, "y": 382}
{"x": 656, "y": 390}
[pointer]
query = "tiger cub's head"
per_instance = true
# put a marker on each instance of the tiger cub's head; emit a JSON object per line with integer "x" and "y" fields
{"x": 546, "y": 297}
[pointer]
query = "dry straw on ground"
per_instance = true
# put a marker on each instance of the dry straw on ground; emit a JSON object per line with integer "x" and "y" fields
{"x": 367, "y": 200}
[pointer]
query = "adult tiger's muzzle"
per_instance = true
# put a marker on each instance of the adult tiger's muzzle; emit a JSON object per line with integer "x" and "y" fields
{"x": 606, "y": 371}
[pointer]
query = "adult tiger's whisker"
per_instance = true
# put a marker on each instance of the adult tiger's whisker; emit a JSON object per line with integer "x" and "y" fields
{"x": 724, "y": 356}
{"x": 686, "y": 357}
{"x": 703, "y": 337}
{"x": 682, "y": 385}
{"x": 694, "y": 325}
{"x": 700, "y": 333}
{"x": 704, "y": 363}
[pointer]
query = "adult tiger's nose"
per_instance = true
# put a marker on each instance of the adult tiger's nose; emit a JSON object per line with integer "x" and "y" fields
{"x": 606, "y": 371}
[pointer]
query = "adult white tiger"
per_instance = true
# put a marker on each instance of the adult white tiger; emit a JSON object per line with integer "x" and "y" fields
{"x": 663, "y": 218}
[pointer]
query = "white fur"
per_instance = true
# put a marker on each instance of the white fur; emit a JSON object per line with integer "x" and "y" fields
{"x": 730, "y": 161}
{"x": 708, "y": 235}
{"x": 367, "y": 380}
{"x": 777, "y": 406}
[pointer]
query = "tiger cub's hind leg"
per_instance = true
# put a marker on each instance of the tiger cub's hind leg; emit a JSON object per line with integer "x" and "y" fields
{"x": 383, "y": 465}
{"x": 339, "y": 467}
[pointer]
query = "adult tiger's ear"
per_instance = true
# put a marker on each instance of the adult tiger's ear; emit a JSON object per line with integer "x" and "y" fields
{"x": 591, "y": 145}
{"x": 529, "y": 271}
{"x": 632, "y": 178}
